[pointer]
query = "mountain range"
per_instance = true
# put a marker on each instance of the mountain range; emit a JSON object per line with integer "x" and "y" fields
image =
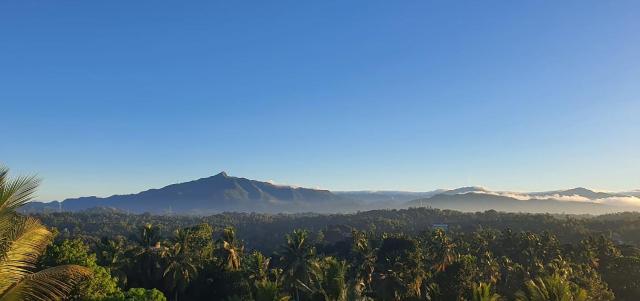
{"x": 222, "y": 192}
{"x": 210, "y": 195}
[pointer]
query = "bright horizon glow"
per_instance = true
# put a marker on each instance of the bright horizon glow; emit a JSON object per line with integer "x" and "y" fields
{"x": 117, "y": 97}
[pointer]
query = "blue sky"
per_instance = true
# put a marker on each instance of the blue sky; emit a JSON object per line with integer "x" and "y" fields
{"x": 104, "y": 97}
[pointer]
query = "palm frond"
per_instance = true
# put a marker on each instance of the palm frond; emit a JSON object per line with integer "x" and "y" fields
{"x": 15, "y": 192}
{"x": 50, "y": 284}
{"x": 22, "y": 244}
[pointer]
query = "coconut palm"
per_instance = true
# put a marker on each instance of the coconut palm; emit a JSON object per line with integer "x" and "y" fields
{"x": 146, "y": 261}
{"x": 258, "y": 267}
{"x": 297, "y": 255}
{"x": 22, "y": 241}
{"x": 148, "y": 235}
{"x": 441, "y": 250}
{"x": 180, "y": 269}
{"x": 231, "y": 249}
{"x": 365, "y": 259}
{"x": 331, "y": 283}
{"x": 551, "y": 288}
{"x": 482, "y": 292}
{"x": 113, "y": 254}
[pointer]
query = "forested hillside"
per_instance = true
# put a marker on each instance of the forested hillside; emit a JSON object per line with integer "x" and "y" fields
{"x": 413, "y": 254}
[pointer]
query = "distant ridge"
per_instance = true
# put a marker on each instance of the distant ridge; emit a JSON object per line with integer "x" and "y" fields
{"x": 473, "y": 202}
{"x": 463, "y": 190}
{"x": 221, "y": 192}
{"x": 217, "y": 193}
{"x": 579, "y": 191}
{"x": 578, "y": 200}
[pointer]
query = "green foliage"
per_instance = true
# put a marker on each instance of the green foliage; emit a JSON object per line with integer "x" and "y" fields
{"x": 454, "y": 282}
{"x": 69, "y": 252}
{"x": 551, "y": 288}
{"x": 139, "y": 294}
{"x": 269, "y": 291}
{"x": 482, "y": 292}
{"x": 100, "y": 286}
{"x": 623, "y": 276}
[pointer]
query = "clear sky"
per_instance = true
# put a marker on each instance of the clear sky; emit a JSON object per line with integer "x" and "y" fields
{"x": 104, "y": 97}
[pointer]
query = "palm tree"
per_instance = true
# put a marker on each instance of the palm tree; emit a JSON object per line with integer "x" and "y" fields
{"x": 365, "y": 259}
{"x": 231, "y": 249}
{"x": 113, "y": 254}
{"x": 297, "y": 256}
{"x": 482, "y": 292}
{"x": 147, "y": 257}
{"x": 551, "y": 288}
{"x": 441, "y": 250}
{"x": 148, "y": 235}
{"x": 22, "y": 241}
{"x": 330, "y": 274}
{"x": 266, "y": 284}
{"x": 259, "y": 267}
{"x": 180, "y": 269}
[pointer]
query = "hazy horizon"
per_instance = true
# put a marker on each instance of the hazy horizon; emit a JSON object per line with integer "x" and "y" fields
{"x": 334, "y": 190}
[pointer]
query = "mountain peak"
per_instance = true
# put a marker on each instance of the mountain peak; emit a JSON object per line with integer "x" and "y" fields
{"x": 579, "y": 189}
{"x": 222, "y": 174}
{"x": 219, "y": 193}
{"x": 468, "y": 189}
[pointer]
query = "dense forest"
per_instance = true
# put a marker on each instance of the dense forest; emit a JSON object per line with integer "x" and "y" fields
{"x": 409, "y": 254}
{"x": 412, "y": 254}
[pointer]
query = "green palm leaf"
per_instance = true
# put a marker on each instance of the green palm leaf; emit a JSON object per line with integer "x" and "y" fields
{"x": 50, "y": 284}
{"x": 15, "y": 192}
{"x": 22, "y": 241}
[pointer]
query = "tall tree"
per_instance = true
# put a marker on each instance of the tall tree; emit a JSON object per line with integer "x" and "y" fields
{"x": 147, "y": 258}
{"x": 297, "y": 256}
{"x": 231, "y": 248}
{"x": 364, "y": 257}
{"x": 180, "y": 269}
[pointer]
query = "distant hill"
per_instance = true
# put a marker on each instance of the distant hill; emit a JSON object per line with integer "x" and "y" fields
{"x": 579, "y": 191}
{"x": 462, "y": 190}
{"x": 632, "y": 193}
{"x": 222, "y": 193}
{"x": 474, "y": 201}
{"x": 210, "y": 195}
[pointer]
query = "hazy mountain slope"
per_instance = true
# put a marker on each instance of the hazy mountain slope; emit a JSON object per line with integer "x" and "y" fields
{"x": 632, "y": 193}
{"x": 579, "y": 191}
{"x": 465, "y": 190}
{"x": 225, "y": 193}
{"x": 482, "y": 201}
{"x": 215, "y": 194}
